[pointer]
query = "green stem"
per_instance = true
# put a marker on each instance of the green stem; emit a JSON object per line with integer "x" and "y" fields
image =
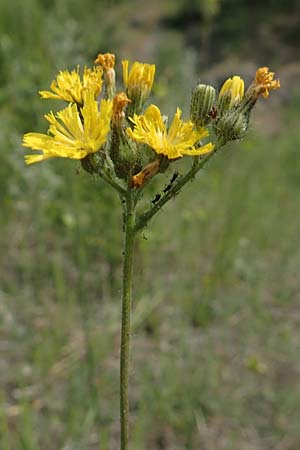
{"x": 113, "y": 183}
{"x": 129, "y": 224}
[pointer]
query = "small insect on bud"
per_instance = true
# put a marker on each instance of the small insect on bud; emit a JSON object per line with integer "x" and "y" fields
{"x": 232, "y": 125}
{"x": 202, "y": 102}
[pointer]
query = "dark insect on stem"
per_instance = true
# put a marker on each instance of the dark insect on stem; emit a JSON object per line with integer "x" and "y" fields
{"x": 168, "y": 187}
{"x": 175, "y": 175}
{"x": 157, "y": 197}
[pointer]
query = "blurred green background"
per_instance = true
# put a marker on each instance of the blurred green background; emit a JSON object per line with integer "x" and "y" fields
{"x": 215, "y": 360}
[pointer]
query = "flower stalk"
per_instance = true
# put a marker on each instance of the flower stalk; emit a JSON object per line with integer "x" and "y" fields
{"x": 129, "y": 230}
{"x": 127, "y": 146}
{"x": 197, "y": 165}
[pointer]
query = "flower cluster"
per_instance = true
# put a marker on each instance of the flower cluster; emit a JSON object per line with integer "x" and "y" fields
{"x": 229, "y": 113}
{"x": 99, "y": 119}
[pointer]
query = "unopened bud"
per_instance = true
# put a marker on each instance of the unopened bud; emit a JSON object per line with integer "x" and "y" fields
{"x": 202, "y": 102}
{"x": 232, "y": 125}
{"x": 121, "y": 154}
{"x": 88, "y": 165}
{"x": 93, "y": 162}
{"x": 231, "y": 94}
{"x": 138, "y": 81}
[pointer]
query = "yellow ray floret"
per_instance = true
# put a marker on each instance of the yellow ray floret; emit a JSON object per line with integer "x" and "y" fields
{"x": 69, "y": 87}
{"x": 69, "y": 136}
{"x": 177, "y": 141}
{"x": 234, "y": 87}
{"x": 139, "y": 77}
{"x": 263, "y": 82}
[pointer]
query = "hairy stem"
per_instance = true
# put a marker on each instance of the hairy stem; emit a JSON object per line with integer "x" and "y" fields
{"x": 129, "y": 223}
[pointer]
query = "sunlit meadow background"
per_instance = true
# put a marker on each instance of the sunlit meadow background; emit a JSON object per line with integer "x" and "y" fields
{"x": 215, "y": 348}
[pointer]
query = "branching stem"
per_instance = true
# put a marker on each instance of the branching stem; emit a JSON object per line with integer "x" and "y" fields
{"x": 198, "y": 164}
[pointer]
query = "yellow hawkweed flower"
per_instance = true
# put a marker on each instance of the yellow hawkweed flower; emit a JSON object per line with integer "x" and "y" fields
{"x": 175, "y": 142}
{"x": 69, "y": 136}
{"x": 139, "y": 78}
{"x": 263, "y": 83}
{"x": 69, "y": 87}
{"x": 234, "y": 88}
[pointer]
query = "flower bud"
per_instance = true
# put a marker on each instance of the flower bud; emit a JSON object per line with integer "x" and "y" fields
{"x": 87, "y": 164}
{"x": 122, "y": 156}
{"x": 202, "y": 102}
{"x": 232, "y": 125}
{"x": 93, "y": 162}
{"x": 231, "y": 94}
{"x": 138, "y": 81}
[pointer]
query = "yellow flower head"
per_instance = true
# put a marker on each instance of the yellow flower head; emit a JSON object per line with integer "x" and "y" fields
{"x": 69, "y": 87}
{"x": 175, "y": 142}
{"x": 69, "y": 136}
{"x": 234, "y": 88}
{"x": 263, "y": 83}
{"x": 139, "y": 78}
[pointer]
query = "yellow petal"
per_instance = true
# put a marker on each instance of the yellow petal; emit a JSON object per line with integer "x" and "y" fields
{"x": 30, "y": 159}
{"x": 125, "y": 71}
